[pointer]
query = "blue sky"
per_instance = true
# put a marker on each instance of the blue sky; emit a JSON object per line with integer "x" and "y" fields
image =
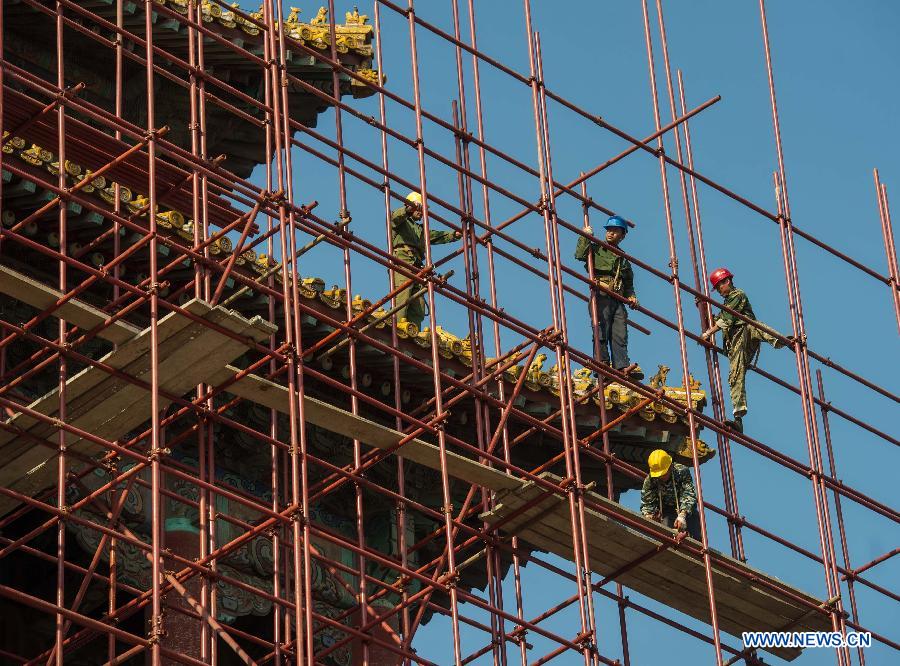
{"x": 834, "y": 71}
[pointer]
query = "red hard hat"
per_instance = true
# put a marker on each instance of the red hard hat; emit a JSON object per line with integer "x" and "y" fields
{"x": 718, "y": 275}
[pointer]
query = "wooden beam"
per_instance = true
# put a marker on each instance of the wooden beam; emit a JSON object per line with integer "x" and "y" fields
{"x": 327, "y": 416}
{"x": 40, "y": 296}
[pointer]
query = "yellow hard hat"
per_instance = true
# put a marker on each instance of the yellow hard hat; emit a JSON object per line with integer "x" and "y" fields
{"x": 659, "y": 462}
{"x": 414, "y": 197}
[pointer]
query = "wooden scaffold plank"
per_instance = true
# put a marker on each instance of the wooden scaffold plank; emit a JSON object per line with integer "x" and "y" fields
{"x": 110, "y": 406}
{"x": 669, "y": 576}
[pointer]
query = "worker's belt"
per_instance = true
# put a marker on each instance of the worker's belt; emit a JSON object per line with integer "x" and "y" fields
{"x": 607, "y": 281}
{"x": 410, "y": 249}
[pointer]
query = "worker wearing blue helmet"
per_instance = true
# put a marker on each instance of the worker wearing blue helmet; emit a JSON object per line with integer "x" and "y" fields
{"x": 615, "y": 279}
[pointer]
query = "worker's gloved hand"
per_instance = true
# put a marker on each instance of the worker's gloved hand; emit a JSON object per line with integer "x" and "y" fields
{"x": 632, "y": 301}
{"x": 589, "y": 230}
{"x": 457, "y": 235}
{"x": 681, "y": 522}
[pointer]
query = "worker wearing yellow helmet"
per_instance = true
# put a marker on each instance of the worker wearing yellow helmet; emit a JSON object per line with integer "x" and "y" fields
{"x": 408, "y": 241}
{"x": 668, "y": 495}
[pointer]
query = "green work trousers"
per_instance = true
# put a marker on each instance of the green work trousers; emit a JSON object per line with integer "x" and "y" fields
{"x": 742, "y": 348}
{"x": 411, "y": 309}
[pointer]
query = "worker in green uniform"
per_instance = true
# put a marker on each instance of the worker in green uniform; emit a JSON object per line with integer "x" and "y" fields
{"x": 613, "y": 272}
{"x": 668, "y": 495}
{"x": 408, "y": 240}
{"x": 741, "y": 340}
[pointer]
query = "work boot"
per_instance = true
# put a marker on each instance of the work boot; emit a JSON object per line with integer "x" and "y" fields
{"x": 736, "y": 424}
{"x": 636, "y": 372}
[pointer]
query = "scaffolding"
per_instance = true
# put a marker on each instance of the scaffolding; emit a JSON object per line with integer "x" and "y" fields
{"x": 147, "y": 335}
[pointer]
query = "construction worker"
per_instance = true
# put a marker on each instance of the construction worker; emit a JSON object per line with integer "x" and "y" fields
{"x": 741, "y": 340}
{"x": 408, "y": 238}
{"x": 615, "y": 274}
{"x": 668, "y": 495}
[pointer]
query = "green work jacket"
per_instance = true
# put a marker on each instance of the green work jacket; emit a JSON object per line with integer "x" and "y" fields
{"x": 408, "y": 233}
{"x": 729, "y": 324}
{"x": 611, "y": 269}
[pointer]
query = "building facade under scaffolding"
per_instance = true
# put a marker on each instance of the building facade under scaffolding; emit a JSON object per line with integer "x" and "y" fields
{"x": 210, "y": 456}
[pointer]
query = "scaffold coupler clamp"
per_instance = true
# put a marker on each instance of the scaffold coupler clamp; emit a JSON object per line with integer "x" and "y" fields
{"x": 403, "y": 582}
{"x": 586, "y": 641}
{"x": 297, "y": 515}
{"x": 153, "y": 455}
{"x": 450, "y": 579}
{"x": 570, "y": 485}
{"x": 156, "y": 629}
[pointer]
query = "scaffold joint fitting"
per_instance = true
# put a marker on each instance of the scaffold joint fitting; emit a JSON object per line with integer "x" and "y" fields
{"x": 156, "y": 629}
{"x": 153, "y": 455}
{"x": 450, "y": 579}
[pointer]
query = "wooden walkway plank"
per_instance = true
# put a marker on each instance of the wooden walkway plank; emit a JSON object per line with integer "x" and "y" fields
{"x": 672, "y": 560}
{"x": 761, "y": 602}
{"x": 79, "y": 387}
{"x": 668, "y": 592}
{"x": 109, "y": 406}
{"x": 605, "y": 557}
{"x": 686, "y": 593}
{"x": 40, "y": 296}
{"x": 670, "y": 577}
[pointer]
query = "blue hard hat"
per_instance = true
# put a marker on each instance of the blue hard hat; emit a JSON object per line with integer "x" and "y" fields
{"x": 616, "y": 222}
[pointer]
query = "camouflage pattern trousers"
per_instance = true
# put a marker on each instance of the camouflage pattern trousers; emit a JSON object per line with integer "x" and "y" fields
{"x": 411, "y": 309}
{"x": 742, "y": 349}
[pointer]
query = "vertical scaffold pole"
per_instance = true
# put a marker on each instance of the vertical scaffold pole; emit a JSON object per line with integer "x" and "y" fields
{"x": 734, "y": 531}
{"x": 575, "y": 486}
{"x": 604, "y": 420}
{"x": 447, "y": 509}
{"x": 887, "y": 235}
{"x": 676, "y": 286}
{"x": 803, "y": 369}
{"x": 62, "y": 331}
{"x": 712, "y": 359}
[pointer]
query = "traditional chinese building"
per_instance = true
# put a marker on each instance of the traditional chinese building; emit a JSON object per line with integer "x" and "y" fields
{"x": 109, "y": 398}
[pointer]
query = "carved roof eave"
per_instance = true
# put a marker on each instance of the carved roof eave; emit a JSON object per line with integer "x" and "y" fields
{"x": 354, "y": 37}
{"x": 539, "y": 385}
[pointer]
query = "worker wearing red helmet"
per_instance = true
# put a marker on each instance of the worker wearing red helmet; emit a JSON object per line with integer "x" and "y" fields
{"x": 614, "y": 273}
{"x": 741, "y": 339}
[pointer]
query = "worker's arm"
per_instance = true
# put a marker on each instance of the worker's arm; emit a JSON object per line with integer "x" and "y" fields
{"x": 687, "y": 495}
{"x": 398, "y": 217}
{"x": 628, "y": 282}
{"x": 649, "y": 500}
{"x": 711, "y": 331}
{"x": 582, "y": 248}
{"x": 441, "y": 237}
{"x": 737, "y": 300}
